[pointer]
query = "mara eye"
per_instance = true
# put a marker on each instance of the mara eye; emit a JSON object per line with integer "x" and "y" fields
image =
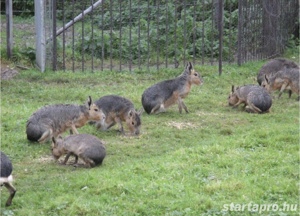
{"x": 195, "y": 74}
{"x": 132, "y": 123}
{"x": 96, "y": 110}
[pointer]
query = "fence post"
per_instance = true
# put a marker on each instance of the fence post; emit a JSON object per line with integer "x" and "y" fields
{"x": 9, "y": 27}
{"x": 54, "y": 51}
{"x": 40, "y": 42}
{"x": 240, "y": 23}
{"x": 220, "y": 27}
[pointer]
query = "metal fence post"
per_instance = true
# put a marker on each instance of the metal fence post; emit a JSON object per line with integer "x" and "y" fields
{"x": 240, "y": 21}
{"x": 40, "y": 43}
{"x": 220, "y": 18}
{"x": 54, "y": 51}
{"x": 9, "y": 27}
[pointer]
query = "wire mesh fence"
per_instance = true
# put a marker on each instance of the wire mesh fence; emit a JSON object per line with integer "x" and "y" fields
{"x": 265, "y": 28}
{"x": 129, "y": 35}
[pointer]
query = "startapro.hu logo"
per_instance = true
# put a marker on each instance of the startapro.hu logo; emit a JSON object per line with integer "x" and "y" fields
{"x": 260, "y": 208}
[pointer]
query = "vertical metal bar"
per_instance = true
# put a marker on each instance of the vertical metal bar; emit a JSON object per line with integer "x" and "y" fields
{"x": 167, "y": 32}
{"x": 220, "y": 35}
{"x": 253, "y": 39}
{"x": 184, "y": 33}
{"x": 54, "y": 51}
{"x": 213, "y": 33}
{"x": 246, "y": 37}
{"x": 9, "y": 27}
{"x": 73, "y": 37}
{"x": 82, "y": 39}
{"x": 157, "y": 35}
{"x": 230, "y": 32}
{"x": 148, "y": 35}
{"x": 120, "y": 35}
{"x": 130, "y": 36}
{"x": 139, "y": 34}
{"x": 176, "y": 63}
{"x": 194, "y": 29}
{"x": 39, "y": 18}
{"x": 64, "y": 36}
{"x": 257, "y": 27}
{"x": 102, "y": 36}
{"x": 92, "y": 26}
{"x": 240, "y": 22}
{"x": 203, "y": 29}
{"x": 110, "y": 33}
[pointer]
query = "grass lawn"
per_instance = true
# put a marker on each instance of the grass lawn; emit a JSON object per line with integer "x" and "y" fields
{"x": 181, "y": 164}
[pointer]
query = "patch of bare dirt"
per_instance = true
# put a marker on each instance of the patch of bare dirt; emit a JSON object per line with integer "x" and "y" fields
{"x": 181, "y": 125}
{"x": 7, "y": 72}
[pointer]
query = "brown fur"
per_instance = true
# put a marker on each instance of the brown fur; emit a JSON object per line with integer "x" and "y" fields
{"x": 287, "y": 79}
{"x": 119, "y": 109}
{"x": 255, "y": 98}
{"x": 160, "y": 96}
{"x": 53, "y": 120}
{"x": 85, "y": 146}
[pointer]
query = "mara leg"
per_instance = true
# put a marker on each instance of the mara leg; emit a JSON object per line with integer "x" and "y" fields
{"x": 88, "y": 162}
{"x": 252, "y": 108}
{"x": 237, "y": 104}
{"x": 12, "y": 192}
{"x": 67, "y": 158}
{"x": 74, "y": 129}
{"x": 119, "y": 122}
{"x": 46, "y": 135}
{"x": 290, "y": 93}
{"x": 156, "y": 109}
{"x": 283, "y": 87}
{"x": 182, "y": 105}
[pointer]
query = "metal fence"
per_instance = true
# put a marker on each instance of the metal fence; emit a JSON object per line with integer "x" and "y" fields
{"x": 137, "y": 34}
{"x": 128, "y": 35}
{"x": 265, "y": 27}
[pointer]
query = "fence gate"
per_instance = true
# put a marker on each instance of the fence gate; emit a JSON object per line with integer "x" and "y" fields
{"x": 130, "y": 35}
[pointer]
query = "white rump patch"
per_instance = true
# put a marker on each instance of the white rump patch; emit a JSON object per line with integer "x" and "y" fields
{"x": 6, "y": 179}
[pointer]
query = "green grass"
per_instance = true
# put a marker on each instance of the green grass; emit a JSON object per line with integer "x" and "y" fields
{"x": 181, "y": 164}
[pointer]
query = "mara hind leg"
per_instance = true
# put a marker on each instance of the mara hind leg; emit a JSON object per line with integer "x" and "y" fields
{"x": 45, "y": 136}
{"x": 106, "y": 124}
{"x": 283, "y": 87}
{"x": 12, "y": 192}
{"x": 251, "y": 108}
{"x": 172, "y": 100}
{"x": 158, "y": 108}
{"x": 89, "y": 163}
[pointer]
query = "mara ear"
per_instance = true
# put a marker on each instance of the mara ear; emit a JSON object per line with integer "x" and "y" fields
{"x": 189, "y": 66}
{"x": 266, "y": 78}
{"x": 140, "y": 112}
{"x": 130, "y": 113}
{"x": 53, "y": 144}
{"x": 232, "y": 88}
{"x": 89, "y": 102}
